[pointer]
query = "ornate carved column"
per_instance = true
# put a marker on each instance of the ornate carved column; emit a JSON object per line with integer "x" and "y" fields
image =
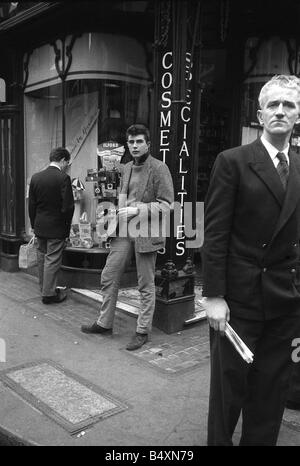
{"x": 11, "y": 210}
{"x": 175, "y": 128}
{"x": 63, "y": 61}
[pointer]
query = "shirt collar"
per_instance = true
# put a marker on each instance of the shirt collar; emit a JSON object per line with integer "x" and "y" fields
{"x": 54, "y": 164}
{"x": 272, "y": 151}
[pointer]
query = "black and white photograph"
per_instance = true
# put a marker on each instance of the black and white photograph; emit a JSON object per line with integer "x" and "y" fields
{"x": 150, "y": 226}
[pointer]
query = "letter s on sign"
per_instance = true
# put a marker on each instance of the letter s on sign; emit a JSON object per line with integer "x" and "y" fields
{"x": 296, "y": 351}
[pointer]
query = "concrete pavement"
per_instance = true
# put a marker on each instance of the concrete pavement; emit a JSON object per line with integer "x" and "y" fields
{"x": 162, "y": 388}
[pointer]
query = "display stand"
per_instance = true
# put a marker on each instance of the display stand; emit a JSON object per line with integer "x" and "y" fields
{"x": 174, "y": 298}
{"x": 82, "y": 266}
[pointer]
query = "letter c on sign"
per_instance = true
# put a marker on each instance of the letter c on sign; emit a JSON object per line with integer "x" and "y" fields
{"x": 164, "y": 61}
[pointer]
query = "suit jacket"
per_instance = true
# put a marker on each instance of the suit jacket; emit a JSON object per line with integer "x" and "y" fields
{"x": 51, "y": 203}
{"x": 252, "y": 231}
{"x": 156, "y": 187}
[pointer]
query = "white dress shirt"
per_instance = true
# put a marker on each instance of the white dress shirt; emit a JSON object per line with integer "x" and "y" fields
{"x": 54, "y": 164}
{"x": 272, "y": 151}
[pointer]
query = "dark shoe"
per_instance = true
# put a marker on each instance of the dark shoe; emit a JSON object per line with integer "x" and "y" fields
{"x": 58, "y": 289}
{"x": 138, "y": 340}
{"x": 95, "y": 328}
{"x": 58, "y": 298}
{"x": 292, "y": 405}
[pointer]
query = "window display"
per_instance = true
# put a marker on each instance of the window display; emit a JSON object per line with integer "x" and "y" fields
{"x": 89, "y": 113}
{"x": 97, "y": 116}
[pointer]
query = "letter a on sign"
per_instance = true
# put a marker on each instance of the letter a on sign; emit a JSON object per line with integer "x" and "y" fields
{"x": 2, "y": 350}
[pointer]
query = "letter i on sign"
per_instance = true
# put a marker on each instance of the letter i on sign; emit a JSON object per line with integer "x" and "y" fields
{"x": 2, "y": 350}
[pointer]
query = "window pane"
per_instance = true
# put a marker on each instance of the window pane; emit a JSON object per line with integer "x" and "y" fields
{"x": 43, "y": 128}
{"x": 99, "y": 112}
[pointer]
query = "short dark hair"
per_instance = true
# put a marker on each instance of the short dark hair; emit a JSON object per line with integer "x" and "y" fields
{"x": 135, "y": 130}
{"x": 59, "y": 153}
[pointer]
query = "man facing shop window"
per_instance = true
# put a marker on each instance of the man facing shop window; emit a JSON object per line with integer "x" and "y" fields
{"x": 147, "y": 186}
{"x": 251, "y": 271}
{"x": 51, "y": 208}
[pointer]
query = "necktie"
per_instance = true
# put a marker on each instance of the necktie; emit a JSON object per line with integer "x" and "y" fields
{"x": 283, "y": 168}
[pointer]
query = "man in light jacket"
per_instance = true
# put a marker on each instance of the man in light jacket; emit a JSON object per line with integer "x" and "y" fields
{"x": 146, "y": 196}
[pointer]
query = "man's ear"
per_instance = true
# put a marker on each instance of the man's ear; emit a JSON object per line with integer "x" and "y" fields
{"x": 259, "y": 116}
{"x": 298, "y": 120}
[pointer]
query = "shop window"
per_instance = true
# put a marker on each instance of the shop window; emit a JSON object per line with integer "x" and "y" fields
{"x": 106, "y": 89}
{"x": 98, "y": 112}
{"x": 265, "y": 58}
{"x": 213, "y": 135}
{"x": 43, "y": 129}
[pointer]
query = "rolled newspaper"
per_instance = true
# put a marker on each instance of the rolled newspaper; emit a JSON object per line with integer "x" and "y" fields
{"x": 238, "y": 343}
{"x": 233, "y": 337}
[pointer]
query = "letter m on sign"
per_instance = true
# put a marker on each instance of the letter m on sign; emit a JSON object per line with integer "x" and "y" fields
{"x": 2, "y": 350}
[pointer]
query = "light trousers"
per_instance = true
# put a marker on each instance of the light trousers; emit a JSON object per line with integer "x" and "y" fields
{"x": 49, "y": 257}
{"x": 121, "y": 251}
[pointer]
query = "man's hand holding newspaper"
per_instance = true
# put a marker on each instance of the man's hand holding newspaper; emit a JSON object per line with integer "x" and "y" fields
{"x": 217, "y": 313}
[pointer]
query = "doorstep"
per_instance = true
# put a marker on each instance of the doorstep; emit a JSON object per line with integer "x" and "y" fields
{"x": 128, "y": 301}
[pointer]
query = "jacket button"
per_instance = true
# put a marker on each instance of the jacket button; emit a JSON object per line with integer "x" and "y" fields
{"x": 264, "y": 245}
{"x": 293, "y": 270}
{"x": 264, "y": 269}
{"x": 295, "y": 245}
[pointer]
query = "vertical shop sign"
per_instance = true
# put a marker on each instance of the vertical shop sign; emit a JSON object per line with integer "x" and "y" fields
{"x": 183, "y": 162}
{"x": 175, "y": 139}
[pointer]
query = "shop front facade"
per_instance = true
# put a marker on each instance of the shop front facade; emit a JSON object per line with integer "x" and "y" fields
{"x": 78, "y": 74}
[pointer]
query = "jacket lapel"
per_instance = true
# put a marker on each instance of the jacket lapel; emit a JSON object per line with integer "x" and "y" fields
{"x": 124, "y": 185}
{"x": 263, "y": 166}
{"x": 292, "y": 194}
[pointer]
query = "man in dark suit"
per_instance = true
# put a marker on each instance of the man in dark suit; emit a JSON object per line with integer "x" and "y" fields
{"x": 251, "y": 271}
{"x": 146, "y": 195}
{"x": 51, "y": 207}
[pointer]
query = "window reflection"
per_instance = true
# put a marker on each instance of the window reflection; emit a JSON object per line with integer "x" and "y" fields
{"x": 97, "y": 114}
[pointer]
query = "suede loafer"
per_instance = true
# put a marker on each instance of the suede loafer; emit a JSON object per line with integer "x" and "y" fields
{"x": 95, "y": 328}
{"x": 138, "y": 340}
{"x": 60, "y": 296}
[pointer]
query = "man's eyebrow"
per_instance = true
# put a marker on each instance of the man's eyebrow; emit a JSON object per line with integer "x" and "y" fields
{"x": 137, "y": 140}
{"x": 285, "y": 102}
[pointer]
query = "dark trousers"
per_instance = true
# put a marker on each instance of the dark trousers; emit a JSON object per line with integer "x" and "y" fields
{"x": 294, "y": 390}
{"x": 258, "y": 391}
